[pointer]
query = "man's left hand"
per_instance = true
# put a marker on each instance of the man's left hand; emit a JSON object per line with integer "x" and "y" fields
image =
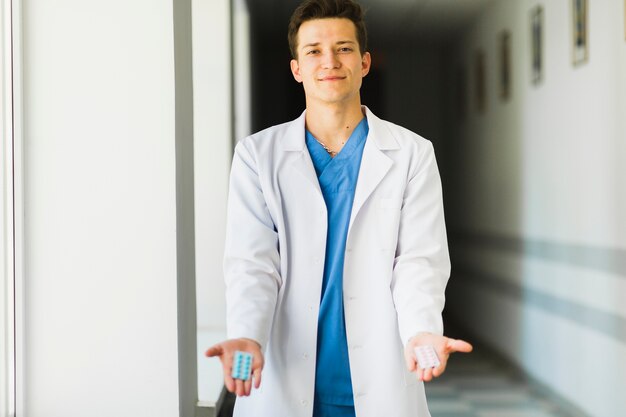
{"x": 444, "y": 346}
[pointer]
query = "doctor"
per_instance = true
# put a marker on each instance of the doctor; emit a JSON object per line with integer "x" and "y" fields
{"x": 336, "y": 256}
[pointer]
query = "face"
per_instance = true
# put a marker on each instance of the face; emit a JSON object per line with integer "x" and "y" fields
{"x": 330, "y": 65}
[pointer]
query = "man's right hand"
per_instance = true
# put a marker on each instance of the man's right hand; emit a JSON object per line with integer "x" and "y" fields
{"x": 226, "y": 351}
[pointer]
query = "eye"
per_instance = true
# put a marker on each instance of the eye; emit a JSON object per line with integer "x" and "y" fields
{"x": 312, "y": 52}
{"x": 345, "y": 49}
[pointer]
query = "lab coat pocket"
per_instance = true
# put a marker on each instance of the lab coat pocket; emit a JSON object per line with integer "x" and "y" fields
{"x": 388, "y": 222}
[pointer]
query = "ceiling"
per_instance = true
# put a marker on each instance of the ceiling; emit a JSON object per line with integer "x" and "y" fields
{"x": 388, "y": 19}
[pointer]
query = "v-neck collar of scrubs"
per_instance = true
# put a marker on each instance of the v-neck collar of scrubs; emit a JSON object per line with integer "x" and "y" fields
{"x": 323, "y": 159}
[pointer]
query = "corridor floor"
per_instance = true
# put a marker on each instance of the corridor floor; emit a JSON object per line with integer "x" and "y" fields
{"x": 481, "y": 384}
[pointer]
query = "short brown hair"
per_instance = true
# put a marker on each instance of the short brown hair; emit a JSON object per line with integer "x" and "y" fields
{"x": 325, "y": 9}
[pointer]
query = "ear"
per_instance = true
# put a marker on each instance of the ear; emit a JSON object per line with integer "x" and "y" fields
{"x": 366, "y": 63}
{"x": 295, "y": 70}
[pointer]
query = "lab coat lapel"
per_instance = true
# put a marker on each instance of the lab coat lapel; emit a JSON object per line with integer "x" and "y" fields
{"x": 374, "y": 163}
{"x": 294, "y": 142}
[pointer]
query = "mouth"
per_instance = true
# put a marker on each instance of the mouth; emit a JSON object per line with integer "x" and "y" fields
{"x": 332, "y": 78}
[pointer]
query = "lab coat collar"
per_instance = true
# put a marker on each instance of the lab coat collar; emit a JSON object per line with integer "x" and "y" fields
{"x": 379, "y": 133}
{"x": 374, "y": 163}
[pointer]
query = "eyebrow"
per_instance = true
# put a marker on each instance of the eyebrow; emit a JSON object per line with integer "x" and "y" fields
{"x": 336, "y": 43}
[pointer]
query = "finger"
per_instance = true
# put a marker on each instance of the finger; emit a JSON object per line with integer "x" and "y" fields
{"x": 428, "y": 374}
{"x": 216, "y": 350}
{"x": 257, "y": 378}
{"x": 229, "y": 382}
{"x": 439, "y": 370}
{"x": 257, "y": 367}
{"x": 247, "y": 386}
{"x": 227, "y": 368}
{"x": 457, "y": 345}
{"x": 420, "y": 374}
{"x": 443, "y": 362}
{"x": 239, "y": 387}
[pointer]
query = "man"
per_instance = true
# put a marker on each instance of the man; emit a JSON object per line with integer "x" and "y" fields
{"x": 336, "y": 256}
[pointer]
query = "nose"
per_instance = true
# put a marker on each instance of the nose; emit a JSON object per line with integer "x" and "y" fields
{"x": 330, "y": 61}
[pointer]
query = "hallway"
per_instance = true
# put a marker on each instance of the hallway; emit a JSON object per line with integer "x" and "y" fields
{"x": 524, "y": 103}
{"x": 116, "y": 153}
{"x": 482, "y": 384}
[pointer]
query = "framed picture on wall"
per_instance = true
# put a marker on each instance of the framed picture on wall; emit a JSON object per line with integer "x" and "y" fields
{"x": 479, "y": 81}
{"x": 536, "y": 44}
{"x": 580, "y": 45}
{"x": 505, "y": 64}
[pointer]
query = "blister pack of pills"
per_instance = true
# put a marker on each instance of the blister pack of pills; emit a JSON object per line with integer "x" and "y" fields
{"x": 426, "y": 357}
{"x": 242, "y": 365}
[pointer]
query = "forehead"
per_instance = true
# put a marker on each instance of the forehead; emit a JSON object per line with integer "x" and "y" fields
{"x": 326, "y": 30}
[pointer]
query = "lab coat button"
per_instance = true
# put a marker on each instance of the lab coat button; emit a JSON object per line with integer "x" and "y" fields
{"x": 305, "y": 356}
{"x": 304, "y": 402}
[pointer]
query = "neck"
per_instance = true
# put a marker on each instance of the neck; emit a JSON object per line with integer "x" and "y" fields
{"x": 333, "y": 125}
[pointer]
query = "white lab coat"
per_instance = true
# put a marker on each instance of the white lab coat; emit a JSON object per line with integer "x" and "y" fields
{"x": 395, "y": 272}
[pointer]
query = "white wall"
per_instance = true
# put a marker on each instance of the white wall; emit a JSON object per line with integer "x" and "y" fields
{"x": 212, "y": 154}
{"x": 537, "y": 223}
{"x": 242, "y": 69}
{"x": 100, "y": 207}
{"x": 7, "y": 365}
{"x": 620, "y": 90}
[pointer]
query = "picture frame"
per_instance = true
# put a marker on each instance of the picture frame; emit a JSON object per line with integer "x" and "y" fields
{"x": 536, "y": 44}
{"x": 480, "y": 94}
{"x": 580, "y": 31}
{"x": 504, "y": 41}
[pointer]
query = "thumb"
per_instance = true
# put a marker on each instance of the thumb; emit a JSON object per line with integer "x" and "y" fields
{"x": 216, "y": 350}
{"x": 457, "y": 345}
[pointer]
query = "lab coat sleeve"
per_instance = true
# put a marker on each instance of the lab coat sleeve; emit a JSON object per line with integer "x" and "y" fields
{"x": 251, "y": 257}
{"x": 422, "y": 264}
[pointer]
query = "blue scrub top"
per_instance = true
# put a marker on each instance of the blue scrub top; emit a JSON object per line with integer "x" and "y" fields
{"x": 338, "y": 178}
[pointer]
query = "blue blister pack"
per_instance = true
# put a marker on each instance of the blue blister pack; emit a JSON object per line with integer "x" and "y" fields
{"x": 242, "y": 365}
